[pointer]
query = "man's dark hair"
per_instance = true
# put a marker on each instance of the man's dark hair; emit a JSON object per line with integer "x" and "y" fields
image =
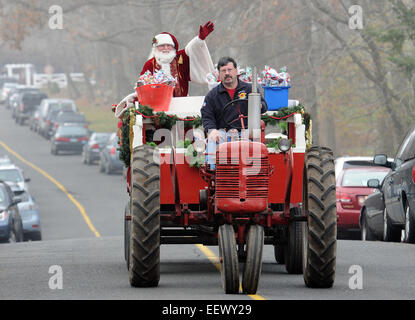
{"x": 225, "y": 60}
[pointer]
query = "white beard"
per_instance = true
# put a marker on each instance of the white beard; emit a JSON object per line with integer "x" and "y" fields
{"x": 164, "y": 60}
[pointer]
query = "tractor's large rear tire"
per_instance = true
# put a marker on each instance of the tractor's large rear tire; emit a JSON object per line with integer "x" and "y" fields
{"x": 320, "y": 231}
{"x": 294, "y": 249}
{"x": 253, "y": 263}
{"x": 228, "y": 255}
{"x": 144, "y": 267}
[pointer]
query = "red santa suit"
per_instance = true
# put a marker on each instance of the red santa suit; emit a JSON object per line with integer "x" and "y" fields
{"x": 190, "y": 64}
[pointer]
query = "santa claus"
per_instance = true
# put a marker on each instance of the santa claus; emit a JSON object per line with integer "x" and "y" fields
{"x": 192, "y": 63}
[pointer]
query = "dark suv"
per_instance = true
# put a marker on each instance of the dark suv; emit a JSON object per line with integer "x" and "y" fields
{"x": 26, "y": 105}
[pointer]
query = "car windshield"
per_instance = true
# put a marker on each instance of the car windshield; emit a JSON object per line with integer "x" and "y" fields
{"x": 27, "y": 90}
{"x": 70, "y": 117}
{"x": 33, "y": 99}
{"x": 101, "y": 137}
{"x": 10, "y": 175}
{"x": 10, "y": 85}
{"x": 4, "y": 80}
{"x": 67, "y": 131}
{"x": 359, "y": 178}
{"x": 5, "y": 160}
{"x": 54, "y": 107}
{"x": 66, "y": 105}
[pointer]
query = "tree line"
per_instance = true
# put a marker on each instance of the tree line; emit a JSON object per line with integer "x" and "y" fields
{"x": 357, "y": 83}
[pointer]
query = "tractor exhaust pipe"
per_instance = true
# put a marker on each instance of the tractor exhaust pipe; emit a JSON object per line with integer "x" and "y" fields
{"x": 254, "y": 110}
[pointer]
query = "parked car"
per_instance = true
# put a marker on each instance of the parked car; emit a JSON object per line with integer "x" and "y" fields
{"x": 11, "y": 226}
{"x": 352, "y": 161}
{"x": 69, "y": 138}
{"x": 29, "y": 211}
{"x": 48, "y": 109}
{"x": 351, "y": 192}
{"x": 5, "y": 160}
{"x": 6, "y": 79}
{"x": 109, "y": 160}
{"x": 14, "y": 177}
{"x": 6, "y": 90}
{"x": 91, "y": 150}
{"x": 34, "y": 119}
{"x": 26, "y": 104}
{"x": 68, "y": 118}
{"x": 13, "y": 101}
{"x": 372, "y": 215}
{"x": 398, "y": 191}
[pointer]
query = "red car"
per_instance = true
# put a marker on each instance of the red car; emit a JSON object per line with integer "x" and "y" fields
{"x": 351, "y": 191}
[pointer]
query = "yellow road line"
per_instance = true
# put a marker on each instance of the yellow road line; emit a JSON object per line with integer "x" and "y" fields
{"x": 58, "y": 184}
{"x": 210, "y": 255}
{"x": 215, "y": 261}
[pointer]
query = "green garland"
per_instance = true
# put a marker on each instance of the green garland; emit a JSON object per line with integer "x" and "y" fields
{"x": 124, "y": 140}
{"x": 283, "y": 112}
{"x": 162, "y": 120}
{"x": 168, "y": 121}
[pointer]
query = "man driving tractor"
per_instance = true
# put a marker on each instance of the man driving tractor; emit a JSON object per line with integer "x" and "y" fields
{"x": 215, "y": 120}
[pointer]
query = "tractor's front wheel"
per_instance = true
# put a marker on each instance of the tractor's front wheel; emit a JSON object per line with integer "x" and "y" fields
{"x": 253, "y": 264}
{"x": 144, "y": 267}
{"x": 320, "y": 231}
{"x": 228, "y": 257}
{"x": 294, "y": 249}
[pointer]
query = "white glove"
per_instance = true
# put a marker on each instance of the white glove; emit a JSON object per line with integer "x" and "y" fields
{"x": 125, "y": 104}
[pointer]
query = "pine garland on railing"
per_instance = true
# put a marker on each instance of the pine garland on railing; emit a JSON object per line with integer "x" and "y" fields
{"x": 284, "y": 113}
{"x": 164, "y": 120}
{"x": 167, "y": 121}
{"x": 124, "y": 140}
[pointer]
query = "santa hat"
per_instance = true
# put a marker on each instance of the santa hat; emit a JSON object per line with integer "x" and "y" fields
{"x": 165, "y": 38}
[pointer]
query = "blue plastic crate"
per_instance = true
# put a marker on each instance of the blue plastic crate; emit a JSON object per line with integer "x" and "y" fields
{"x": 276, "y": 97}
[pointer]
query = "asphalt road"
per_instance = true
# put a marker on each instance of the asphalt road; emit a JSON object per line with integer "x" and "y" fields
{"x": 91, "y": 260}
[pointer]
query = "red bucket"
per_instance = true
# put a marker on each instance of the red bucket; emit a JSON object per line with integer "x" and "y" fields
{"x": 157, "y": 96}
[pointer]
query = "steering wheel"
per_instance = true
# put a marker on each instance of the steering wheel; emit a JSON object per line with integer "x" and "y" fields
{"x": 241, "y": 116}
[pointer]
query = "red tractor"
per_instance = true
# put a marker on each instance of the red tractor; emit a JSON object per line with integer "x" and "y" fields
{"x": 283, "y": 196}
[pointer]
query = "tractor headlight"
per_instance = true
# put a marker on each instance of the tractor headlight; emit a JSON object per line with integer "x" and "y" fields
{"x": 284, "y": 145}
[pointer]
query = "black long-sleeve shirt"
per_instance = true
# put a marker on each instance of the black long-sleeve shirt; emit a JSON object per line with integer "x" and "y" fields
{"x": 216, "y": 100}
